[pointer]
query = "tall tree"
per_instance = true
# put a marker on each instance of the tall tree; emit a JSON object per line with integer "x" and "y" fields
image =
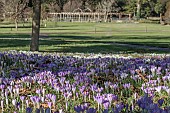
{"x": 34, "y": 46}
{"x": 138, "y": 12}
{"x": 1, "y": 10}
{"x": 167, "y": 13}
{"x": 131, "y": 7}
{"x": 15, "y": 8}
{"x": 93, "y": 4}
{"x": 106, "y": 6}
{"x": 61, "y": 4}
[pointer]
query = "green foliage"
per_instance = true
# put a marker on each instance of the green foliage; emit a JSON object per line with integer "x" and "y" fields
{"x": 151, "y": 8}
{"x": 131, "y": 6}
{"x": 119, "y": 5}
{"x": 159, "y": 8}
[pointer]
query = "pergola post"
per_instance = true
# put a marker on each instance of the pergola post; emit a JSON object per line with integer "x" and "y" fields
{"x": 120, "y": 16}
{"x": 65, "y": 16}
{"x": 98, "y": 17}
{"x": 94, "y": 17}
{"x": 60, "y": 17}
{"x": 83, "y": 16}
{"x": 73, "y": 15}
{"x": 56, "y": 16}
{"x": 129, "y": 16}
{"x": 89, "y": 17}
{"x": 79, "y": 17}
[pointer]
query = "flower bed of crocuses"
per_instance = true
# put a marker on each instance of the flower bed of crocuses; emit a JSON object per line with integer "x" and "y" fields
{"x": 84, "y": 83}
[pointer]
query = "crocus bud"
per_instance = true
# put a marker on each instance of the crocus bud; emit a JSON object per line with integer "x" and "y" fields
{"x": 17, "y": 91}
{"x": 6, "y": 93}
{"x": 27, "y": 103}
{"x": 60, "y": 111}
{"x": 2, "y": 105}
{"x": 49, "y": 104}
{"x": 43, "y": 91}
{"x": 6, "y": 101}
{"x": 42, "y": 99}
{"x": 2, "y": 94}
{"x": 14, "y": 102}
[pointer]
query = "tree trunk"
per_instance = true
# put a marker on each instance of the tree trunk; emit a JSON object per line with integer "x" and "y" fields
{"x": 167, "y": 13}
{"x": 16, "y": 18}
{"x": 35, "y": 25}
{"x": 138, "y": 9}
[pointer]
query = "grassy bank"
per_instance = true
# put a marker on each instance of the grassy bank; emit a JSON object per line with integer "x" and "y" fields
{"x": 87, "y": 37}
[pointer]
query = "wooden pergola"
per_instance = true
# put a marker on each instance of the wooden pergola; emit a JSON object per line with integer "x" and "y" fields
{"x": 88, "y": 16}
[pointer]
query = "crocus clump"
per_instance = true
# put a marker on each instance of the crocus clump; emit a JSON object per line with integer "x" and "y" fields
{"x": 41, "y": 82}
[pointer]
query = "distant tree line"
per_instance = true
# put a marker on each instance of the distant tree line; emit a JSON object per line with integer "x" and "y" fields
{"x": 138, "y": 8}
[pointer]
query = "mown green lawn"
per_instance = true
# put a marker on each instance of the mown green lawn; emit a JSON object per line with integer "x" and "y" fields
{"x": 87, "y": 37}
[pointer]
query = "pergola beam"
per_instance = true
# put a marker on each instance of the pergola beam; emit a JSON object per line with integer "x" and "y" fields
{"x": 87, "y": 16}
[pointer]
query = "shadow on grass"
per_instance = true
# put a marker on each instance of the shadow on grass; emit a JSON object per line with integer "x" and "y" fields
{"x": 153, "y": 41}
{"x": 6, "y": 36}
{"x": 72, "y": 29}
{"x": 14, "y": 26}
{"x": 82, "y": 44}
{"x": 19, "y": 42}
{"x": 100, "y": 49}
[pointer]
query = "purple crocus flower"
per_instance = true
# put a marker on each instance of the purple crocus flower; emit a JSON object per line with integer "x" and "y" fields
{"x": 93, "y": 87}
{"x": 120, "y": 106}
{"x": 160, "y": 101}
{"x": 78, "y": 109}
{"x": 27, "y": 103}
{"x": 132, "y": 72}
{"x": 99, "y": 90}
{"x": 38, "y": 91}
{"x": 50, "y": 104}
{"x": 73, "y": 88}
{"x": 2, "y": 86}
{"x": 126, "y": 86}
{"x": 67, "y": 95}
{"x": 48, "y": 96}
{"x": 114, "y": 86}
{"x": 37, "y": 100}
{"x": 168, "y": 91}
{"x": 37, "y": 110}
{"x": 158, "y": 89}
{"x": 105, "y": 111}
{"x": 53, "y": 98}
{"x": 106, "y": 84}
{"x": 106, "y": 104}
{"x": 99, "y": 99}
{"x": 158, "y": 71}
{"x": 85, "y": 106}
{"x": 14, "y": 102}
{"x": 22, "y": 98}
{"x": 110, "y": 97}
{"x": 82, "y": 89}
{"x": 18, "y": 105}
{"x": 91, "y": 110}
